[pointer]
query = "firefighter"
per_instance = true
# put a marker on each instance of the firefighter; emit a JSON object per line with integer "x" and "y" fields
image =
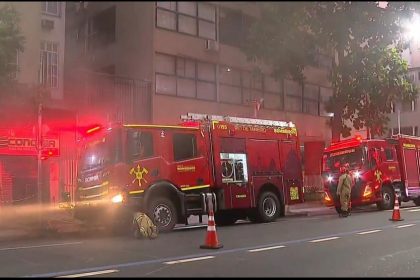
{"x": 344, "y": 190}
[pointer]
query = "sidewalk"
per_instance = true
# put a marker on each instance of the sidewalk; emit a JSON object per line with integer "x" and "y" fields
{"x": 309, "y": 208}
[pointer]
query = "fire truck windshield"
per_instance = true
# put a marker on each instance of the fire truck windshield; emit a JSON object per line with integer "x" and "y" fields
{"x": 334, "y": 160}
{"x": 98, "y": 152}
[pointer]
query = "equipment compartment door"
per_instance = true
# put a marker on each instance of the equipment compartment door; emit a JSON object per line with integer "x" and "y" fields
{"x": 292, "y": 169}
{"x": 411, "y": 169}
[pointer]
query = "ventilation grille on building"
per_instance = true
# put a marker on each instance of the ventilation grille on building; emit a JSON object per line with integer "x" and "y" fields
{"x": 212, "y": 45}
{"x": 47, "y": 24}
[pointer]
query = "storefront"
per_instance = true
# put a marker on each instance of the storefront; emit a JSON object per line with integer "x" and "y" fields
{"x": 19, "y": 167}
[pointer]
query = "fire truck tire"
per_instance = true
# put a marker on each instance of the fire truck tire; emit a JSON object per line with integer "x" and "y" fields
{"x": 387, "y": 201}
{"x": 417, "y": 201}
{"x": 163, "y": 213}
{"x": 224, "y": 218}
{"x": 268, "y": 208}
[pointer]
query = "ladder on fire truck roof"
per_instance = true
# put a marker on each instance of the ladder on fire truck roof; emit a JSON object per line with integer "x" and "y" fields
{"x": 201, "y": 117}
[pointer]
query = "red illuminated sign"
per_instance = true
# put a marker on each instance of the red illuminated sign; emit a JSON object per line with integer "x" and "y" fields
{"x": 13, "y": 145}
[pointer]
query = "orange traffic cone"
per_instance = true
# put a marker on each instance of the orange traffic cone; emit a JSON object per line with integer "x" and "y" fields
{"x": 396, "y": 213}
{"x": 211, "y": 239}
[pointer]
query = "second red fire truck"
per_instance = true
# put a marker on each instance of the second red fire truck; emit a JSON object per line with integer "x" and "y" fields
{"x": 252, "y": 166}
{"x": 380, "y": 168}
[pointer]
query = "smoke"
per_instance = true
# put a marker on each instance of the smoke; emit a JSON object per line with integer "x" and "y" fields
{"x": 33, "y": 221}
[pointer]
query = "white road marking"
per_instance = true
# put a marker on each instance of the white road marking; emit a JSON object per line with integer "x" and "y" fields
{"x": 414, "y": 210}
{"x": 266, "y": 248}
{"x": 189, "y": 260}
{"x": 89, "y": 273}
{"x": 370, "y": 231}
{"x": 403, "y": 226}
{"x": 40, "y": 246}
{"x": 324, "y": 239}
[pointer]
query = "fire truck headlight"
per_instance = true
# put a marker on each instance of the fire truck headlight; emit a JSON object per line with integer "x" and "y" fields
{"x": 117, "y": 198}
{"x": 357, "y": 174}
{"x": 329, "y": 178}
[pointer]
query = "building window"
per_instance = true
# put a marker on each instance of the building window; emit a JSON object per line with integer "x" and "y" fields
{"x": 48, "y": 75}
{"x": 406, "y": 130}
{"x": 230, "y": 85}
{"x": 14, "y": 66}
{"x": 311, "y": 99}
{"x": 193, "y": 18}
{"x": 185, "y": 77}
{"x": 206, "y": 81}
{"x": 408, "y": 106}
{"x": 324, "y": 96}
{"x": 252, "y": 86}
{"x": 323, "y": 61}
{"x": 293, "y": 96}
{"x": 273, "y": 98}
{"x": 411, "y": 77}
{"x": 51, "y": 8}
{"x": 101, "y": 28}
{"x": 234, "y": 27}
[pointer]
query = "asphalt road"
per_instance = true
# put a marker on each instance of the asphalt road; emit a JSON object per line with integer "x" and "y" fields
{"x": 364, "y": 244}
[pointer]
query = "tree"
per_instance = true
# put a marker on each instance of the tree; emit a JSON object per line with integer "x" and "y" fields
{"x": 367, "y": 74}
{"x": 11, "y": 41}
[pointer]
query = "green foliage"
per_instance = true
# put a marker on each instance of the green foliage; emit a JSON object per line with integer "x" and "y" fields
{"x": 368, "y": 73}
{"x": 11, "y": 40}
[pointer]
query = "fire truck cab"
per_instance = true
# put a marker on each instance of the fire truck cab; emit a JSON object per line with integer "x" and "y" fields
{"x": 380, "y": 168}
{"x": 252, "y": 166}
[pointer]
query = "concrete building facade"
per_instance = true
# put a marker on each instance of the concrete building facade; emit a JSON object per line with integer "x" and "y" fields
{"x": 42, "y": 24}
{"x": 190, "y": 53}
{"x": 42, "y": 62}
{"x": 408, "y": 120}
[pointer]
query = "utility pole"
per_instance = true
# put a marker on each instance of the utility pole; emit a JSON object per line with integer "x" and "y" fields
{"x": 39, "y": 152}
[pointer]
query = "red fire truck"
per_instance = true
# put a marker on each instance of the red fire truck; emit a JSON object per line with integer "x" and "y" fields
{"x": 252, "y": 166}
{"x": 380, "y": 168}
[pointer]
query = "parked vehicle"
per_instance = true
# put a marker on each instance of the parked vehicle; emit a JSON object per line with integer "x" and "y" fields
{"x": 380, "y": 168}
{"x": 252, "y": 166}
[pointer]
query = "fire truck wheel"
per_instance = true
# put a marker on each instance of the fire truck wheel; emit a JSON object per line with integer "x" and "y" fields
{"x": 163, "y": 212}
{"x": 268, "y": 207}
{"x": 387, "y": 201}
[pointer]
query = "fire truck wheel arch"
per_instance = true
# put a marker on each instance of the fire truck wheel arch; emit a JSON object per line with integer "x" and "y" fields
{"x": 268, "y": 207}
{"x": 164, "y": 213}
{"x": 387, "y": 201}
{"x": 165, "y": 189}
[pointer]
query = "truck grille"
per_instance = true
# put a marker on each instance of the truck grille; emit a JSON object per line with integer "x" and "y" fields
{"x": 93, "y": 192}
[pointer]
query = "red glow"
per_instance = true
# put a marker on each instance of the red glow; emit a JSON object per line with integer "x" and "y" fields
{"x": 358, "y": 138}
{"x": 51, "y": 152}
{"x": 96, "y": 128}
